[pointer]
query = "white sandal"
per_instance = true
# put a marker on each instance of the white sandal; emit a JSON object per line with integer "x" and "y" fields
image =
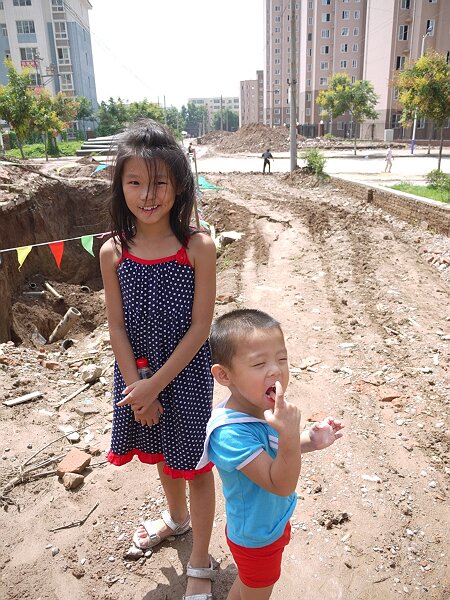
{"x": 151, "y": 528}
{"x": 201, "y": 573}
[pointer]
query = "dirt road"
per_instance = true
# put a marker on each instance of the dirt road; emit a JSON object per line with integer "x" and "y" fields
{"x": 367, "y": 323}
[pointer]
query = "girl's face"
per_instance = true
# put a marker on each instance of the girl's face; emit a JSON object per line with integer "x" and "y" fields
{"x": 148, "y": 190}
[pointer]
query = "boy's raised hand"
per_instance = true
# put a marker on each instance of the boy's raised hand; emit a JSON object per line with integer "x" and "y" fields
{"x": 284, "y": 417}
{"x": 325, "y": 433}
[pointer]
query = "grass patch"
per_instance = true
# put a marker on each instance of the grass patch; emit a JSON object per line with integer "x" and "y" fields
{"x": 424, "y": 191}
{"x": 38, "y": 150}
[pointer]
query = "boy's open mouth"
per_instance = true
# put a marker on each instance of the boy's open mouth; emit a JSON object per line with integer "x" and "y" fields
{"x": 270, "y": 392}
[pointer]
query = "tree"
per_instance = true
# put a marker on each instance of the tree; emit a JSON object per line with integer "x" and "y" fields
{"x": 424, "y": 90}
{"x": 16, "y": 100}
{"x": 85, "y": 111}
{"x": 358, "y": 99}
{"x": 195, "y": 118}
{"x": 174, "y": 119}
{"x": 145, "y": 110}
{"x": 112, "y": 117}
{"x": 227, "y": 120}
{"x": 45, "y": 118}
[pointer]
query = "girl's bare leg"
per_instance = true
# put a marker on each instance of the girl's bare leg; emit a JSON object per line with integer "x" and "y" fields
{"x": 175, "y": 492}
{"x": 202, "y": 505}
{"x": 240, "y": 591}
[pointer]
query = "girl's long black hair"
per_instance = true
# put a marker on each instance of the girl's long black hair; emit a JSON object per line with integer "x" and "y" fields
{"x": 153, "y": 142}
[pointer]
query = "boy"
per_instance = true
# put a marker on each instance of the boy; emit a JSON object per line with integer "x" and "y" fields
{"x": 254, "y": 440}
{"x": 389, "y": 159}
{"x": 267, "y": 155}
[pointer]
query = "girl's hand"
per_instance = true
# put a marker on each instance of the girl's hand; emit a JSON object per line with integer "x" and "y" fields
{"x": 325, "y": 433}
{"x": 284, "y": 417}
{"x": 139, "y": 395}
{"x": 151, "y": 415}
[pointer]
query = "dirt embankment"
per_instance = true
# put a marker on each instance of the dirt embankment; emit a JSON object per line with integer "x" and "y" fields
{"x": 367, "y": 326}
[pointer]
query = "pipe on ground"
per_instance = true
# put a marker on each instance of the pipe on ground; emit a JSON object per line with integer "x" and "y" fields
{"x": 64, "y": 325}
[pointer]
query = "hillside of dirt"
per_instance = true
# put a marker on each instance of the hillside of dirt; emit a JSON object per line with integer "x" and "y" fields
{"x": 364, "y": 302}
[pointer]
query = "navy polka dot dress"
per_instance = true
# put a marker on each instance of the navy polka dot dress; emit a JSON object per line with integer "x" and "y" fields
{"x": 157, "y": 300}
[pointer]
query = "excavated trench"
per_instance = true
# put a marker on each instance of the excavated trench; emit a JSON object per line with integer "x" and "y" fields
{"x": 44, "y": 209}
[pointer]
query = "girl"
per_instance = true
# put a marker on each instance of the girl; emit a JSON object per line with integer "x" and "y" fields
{"x": 159, "y": 281}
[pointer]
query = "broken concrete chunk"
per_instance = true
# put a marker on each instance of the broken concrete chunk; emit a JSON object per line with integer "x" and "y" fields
{"x": 74, "y": 462}
{"x": 72, "y": 480}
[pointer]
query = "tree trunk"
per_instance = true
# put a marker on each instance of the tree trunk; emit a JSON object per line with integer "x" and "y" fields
{"x": 440, "y": 147}
{"x": 45, "y": 144}
{"x": 19, "y": 143}
{"x": 354, "y": 143}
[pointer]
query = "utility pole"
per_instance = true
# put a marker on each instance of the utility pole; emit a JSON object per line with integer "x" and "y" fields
{"x": 413, "y": 136}
{"x": 221, "y": 114}
{"x": 293, "y": 90}
{"x": 165, "y": 113}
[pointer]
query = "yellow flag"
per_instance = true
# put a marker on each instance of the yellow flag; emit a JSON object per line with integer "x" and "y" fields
{"x": 22, "y": 253}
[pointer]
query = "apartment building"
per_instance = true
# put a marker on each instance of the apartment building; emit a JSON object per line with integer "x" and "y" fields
{"x": 251, "y": 106}
{"x": 52, "y": 38}
{"x": 216, "y": 105}
{"x": 366, "y": 39}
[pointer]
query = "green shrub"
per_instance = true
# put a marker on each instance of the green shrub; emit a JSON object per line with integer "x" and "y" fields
{"x": 315, "y": 160}
{"x": 439, "y": 180}
{"x": 329, "y": 136}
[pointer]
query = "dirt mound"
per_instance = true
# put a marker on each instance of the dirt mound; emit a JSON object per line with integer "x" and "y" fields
{"x": 253, "y": 137}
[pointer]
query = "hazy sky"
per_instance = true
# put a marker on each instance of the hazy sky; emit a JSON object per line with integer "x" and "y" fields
{"x": 175, "y": 48}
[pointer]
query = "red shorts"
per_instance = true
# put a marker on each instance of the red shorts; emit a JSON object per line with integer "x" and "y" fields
{"x": 260, "y": 567}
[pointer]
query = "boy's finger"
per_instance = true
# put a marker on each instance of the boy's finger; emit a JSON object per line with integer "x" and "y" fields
{"x": 279, "y": 394}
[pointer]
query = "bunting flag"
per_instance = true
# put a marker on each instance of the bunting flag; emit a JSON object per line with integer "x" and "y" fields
{"x": 87, "y": 241}
{"x": 22, "y": 253}
{"x": 205, "y": 185}
{"x": 57, "y": 249}
{"x": 99, "y": 168}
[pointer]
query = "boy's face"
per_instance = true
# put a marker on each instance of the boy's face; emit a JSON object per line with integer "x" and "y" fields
{"x": 259, "y": 361}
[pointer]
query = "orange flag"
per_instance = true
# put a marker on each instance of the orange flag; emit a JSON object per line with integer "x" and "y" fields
{"x": 57, "y": 249}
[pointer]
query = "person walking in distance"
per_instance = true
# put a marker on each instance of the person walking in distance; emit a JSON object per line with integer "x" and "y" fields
{"x": 389, "y": 159}
{"x": 159, "y": 281}
{"x": 267, "y": 155}
{"x": 254, "y": 440}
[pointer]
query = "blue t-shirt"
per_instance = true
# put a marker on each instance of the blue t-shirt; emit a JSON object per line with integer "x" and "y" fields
{"x": 255, "y": 517}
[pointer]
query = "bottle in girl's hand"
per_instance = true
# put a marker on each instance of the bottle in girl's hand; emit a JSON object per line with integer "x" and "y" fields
{"x": 143, "y": 368}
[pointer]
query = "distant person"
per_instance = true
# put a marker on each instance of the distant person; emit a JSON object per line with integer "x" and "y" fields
{"x": 267, "y": 155}
{"x": 191, "y": 151}
{"x": 159, "y": 281}
{"x": 389, "y": 158}
{"x": 254, "y": 440}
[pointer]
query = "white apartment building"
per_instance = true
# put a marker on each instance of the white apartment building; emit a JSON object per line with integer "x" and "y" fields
{"x": 52, "y": 38}
{"x": 216, "y": 105}
{"x": 367, "y": 39}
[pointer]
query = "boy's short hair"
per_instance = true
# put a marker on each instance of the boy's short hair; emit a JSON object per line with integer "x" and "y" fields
{"x": 229, "y": 328}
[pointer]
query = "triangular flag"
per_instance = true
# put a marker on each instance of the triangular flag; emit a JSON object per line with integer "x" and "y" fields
{"x": 57, "y": 249}
{"x": 22, "y": 253}
{"x": 87, "y": 241}
{"x": 99, "y": 168}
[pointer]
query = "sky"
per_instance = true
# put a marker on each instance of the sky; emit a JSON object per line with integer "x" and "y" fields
{"x": 175, "y": 49}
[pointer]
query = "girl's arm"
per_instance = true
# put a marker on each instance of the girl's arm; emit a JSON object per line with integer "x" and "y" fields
{"x": 202, "y": 254}
{"x": 109, "y": 258}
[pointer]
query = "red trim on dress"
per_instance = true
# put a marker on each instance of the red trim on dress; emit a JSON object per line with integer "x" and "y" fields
{"x": 152, "y": 459}
{"x": 181, "y": 257}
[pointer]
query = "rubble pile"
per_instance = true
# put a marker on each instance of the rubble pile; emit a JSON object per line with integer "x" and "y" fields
{"x": 253, "y": 137}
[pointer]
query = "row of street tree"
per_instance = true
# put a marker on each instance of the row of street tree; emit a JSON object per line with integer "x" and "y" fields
{"x": 423, "y": 91}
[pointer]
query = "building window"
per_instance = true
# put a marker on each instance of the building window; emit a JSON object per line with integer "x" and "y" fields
{"x": 344, "y": 47}
{"x": 324, "y": 65}
{"x": 403, "y": 32}
{"x": 395, "y": 94}
{"x": 25, "y": 27}
{"x": 60, "y": 30}
{"x": 3, "y": 29}
{"x": 308, "y": 83}
{"x": 307, "y": 112}
{"x": 421, "y": 123}
{"x": 277, "y": 29}
{"x": 309, "y": 37}
{"x": 324, "y": 49}
{"x": 355, "y": 47}
{"x": 277, "y": 61}
{"x": 326, "y": 17}
{"x": 277, "y": 19}
{"x": 277, "y": 40}
{"x": 353, "y": 79}
{"x": 277, "y": 71}
{"x": 430, "y": 26}
{"x": 276, "y": 82}
{"x": 325, "y": 33}
{"x": 354, "y": 64}
{"x": 66, "y": 81}
{"x": 346, "y": 15}
{"x": 343, "y": 64}
{"x": 58, "y": 5}
{"x": 356, "y": 14}
{"x": 35, "y": 80}
{"x": 1, "y": 5}
{"x": 326, "y": 2}
{"x": 432, "y": 1}
{"x": 277, "y": 101}
{"x": 400, "y": 63}
{"x": 323, "y": 81}
{"x": 309, "y": 20}
{"x": 340, "y": 125}
{"x": 308, "y": 68}
{"x": 395, "y": 121}
{"x": 309, "y": 52}
{"x": 310, "y": 4}
{"x": 277, "y": 8}
{"x": 28, "y": 53}
{"x": 308, "y": 96}
{"x": 356, "y": 31}
{"x": 276, "y": 111}
{"x": 277, "y": 50}
{"x": 344, "y": 31}
{"x": 22, "y": 3}
{"x": 405, "y": 4}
